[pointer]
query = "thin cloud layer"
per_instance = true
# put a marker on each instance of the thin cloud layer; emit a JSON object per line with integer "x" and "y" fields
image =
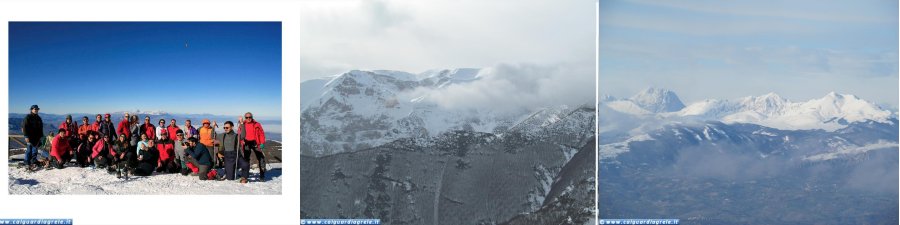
{"x": 412, "y": 36}
{"x": 512, "y": 87}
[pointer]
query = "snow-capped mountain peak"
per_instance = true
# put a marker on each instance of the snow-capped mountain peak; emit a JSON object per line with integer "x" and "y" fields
{"x": 831, "y": 112}
{"x": 657, "y": 100}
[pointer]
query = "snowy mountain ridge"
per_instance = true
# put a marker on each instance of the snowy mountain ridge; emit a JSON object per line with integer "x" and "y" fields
{"x": 831, "y": 112}
{"x": 362, "y": 109}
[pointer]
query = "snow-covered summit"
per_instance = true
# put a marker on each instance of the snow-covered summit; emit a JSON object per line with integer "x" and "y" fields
{"x": 657, "y": 100}
{"x": 831, "y": 112}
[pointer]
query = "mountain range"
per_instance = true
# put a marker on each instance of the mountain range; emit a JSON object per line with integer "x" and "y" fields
{"x": 831, "y": 160}
{"x": 374, "y": 146}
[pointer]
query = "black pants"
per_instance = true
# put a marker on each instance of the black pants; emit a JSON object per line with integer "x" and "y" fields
{"x": 169, "y": 167}
{"x": 101, "y": 161}
{"x": 203, "y": 171}
{"x": 251, "y": 146}
{"x": 59, "y": 164}
{"x": 230, "y": 160}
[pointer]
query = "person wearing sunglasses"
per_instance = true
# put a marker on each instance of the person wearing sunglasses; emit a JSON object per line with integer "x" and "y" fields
{"x": 253, "y": 139}
{"x": 160, "y": 129}
{"x": 228, "y": 144}
{"x": 179, "y": 145}
{"x": 148, "y": 128}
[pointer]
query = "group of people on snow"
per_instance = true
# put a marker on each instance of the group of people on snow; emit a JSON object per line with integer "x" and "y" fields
{"x": 145, "y": 149}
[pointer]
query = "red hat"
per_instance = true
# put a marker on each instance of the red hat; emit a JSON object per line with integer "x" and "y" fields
{"x": 107, "y": 115}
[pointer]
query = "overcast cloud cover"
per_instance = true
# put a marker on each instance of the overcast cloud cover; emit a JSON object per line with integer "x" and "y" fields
{"x": 539, "y": 51}
{"x": 724, "y": 49}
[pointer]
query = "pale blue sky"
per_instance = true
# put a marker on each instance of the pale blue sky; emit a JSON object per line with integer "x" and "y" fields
{"x": 725, "y": 49}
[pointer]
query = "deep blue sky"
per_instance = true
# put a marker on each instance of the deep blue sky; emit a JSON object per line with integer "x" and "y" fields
{"x": 728, "y": 49}
{"x": 227, "y": 68}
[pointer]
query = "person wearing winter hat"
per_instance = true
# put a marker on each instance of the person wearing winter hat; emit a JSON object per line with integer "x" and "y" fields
{"x": 33, "y": 129}
{"x": 207, "y": 135}
{"x": 71, "y": 129}
{"x": 253, "y": 138}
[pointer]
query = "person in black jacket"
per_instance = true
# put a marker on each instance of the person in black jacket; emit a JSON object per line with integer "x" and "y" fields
{"x": 147, "y": 160}
{"x": 33, "y": 129}
{"x": 107, "y": 128}
{"x": 199, "y": 156}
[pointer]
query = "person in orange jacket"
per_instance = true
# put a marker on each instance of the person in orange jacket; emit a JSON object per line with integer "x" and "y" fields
{"x": 207, "y": 138}
{"x": 84, "y": 129}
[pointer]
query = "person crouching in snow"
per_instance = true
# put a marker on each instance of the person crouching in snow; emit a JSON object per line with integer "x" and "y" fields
{"x": 118, "y": 156}
{"x": 166, "y": 150}
{"x": 199, "y": 156}
{"x": 60, "y": 151}
{"x": 179, "y": 144}
{"x": 100, "y": 152}
{"x": 84, "y": 150}
{"x": 147, "y": 158}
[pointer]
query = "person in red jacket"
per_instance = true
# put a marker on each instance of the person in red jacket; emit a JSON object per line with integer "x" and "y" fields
{"x": 70, "y": 126}
{"x": 253, "y": 138}
{"x": 96, "y": 125}
{"x": 100, "y": 152}
{"x": 172, "y": 129}
{"x": 166, "y": 150}
{"x": 123, "y": 127}
{"x": 60, "y": 151}
{"x": 71, "y": 129}
{"x": 148, "y": 128}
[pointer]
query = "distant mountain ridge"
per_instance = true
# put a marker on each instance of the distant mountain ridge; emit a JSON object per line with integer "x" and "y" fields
{"x": 831, "y": 112}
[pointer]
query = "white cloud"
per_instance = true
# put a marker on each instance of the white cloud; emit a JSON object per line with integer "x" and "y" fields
{"x": 417, "y": 36}
{"x": 512, "y": 87}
